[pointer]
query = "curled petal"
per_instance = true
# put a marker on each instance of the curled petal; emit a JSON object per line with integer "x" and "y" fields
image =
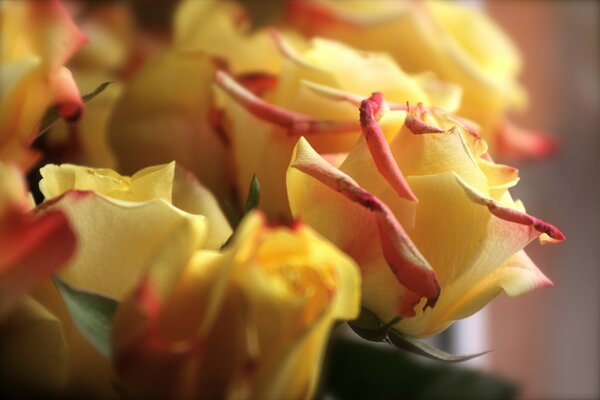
{"x": 405, "y": 260}
{"x": 512, "y": 215}
{"x": 294, "y": 123}
{"x": 379, "y": 148}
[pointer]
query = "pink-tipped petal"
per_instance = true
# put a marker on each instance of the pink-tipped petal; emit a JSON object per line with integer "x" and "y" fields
{"x": 512, "y": 215}
{"x": 56, "y": 36}
{"x": 66, "y": 95}
{"x": 294, "y": 123}
{"x": 379, "y": 148}
{"x": 258, "y": 82}
{"x": 288, "y": 51}
{"x": 333, "y": 94}
{"x": 419, "y": 127}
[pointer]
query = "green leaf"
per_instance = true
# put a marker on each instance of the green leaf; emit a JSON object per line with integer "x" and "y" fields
{"x": 92, "y": 314}
{"x": 426, "y": 350}
{"x": 96, "y": 92}
{"x": 369, "y": 327}
{"x": 361, "y": 370}
{"x": 51, "y": 115}
{"x": 253, "y": 195}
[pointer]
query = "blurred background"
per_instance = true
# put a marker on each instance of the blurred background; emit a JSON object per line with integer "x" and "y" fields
{"x": 548, "y": 340}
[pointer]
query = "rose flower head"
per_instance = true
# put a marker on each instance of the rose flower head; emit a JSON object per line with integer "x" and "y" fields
{"x": 250, "y": 321}
{"x": 427, "y": 215}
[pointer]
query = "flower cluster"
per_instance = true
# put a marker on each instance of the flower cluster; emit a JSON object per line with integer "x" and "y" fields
{"x": 151, "y": 265}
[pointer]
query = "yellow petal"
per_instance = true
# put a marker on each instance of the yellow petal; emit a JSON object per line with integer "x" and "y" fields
{"x": 117, "y": 239}
{"x": 419, "y": 154}
{"x": 191, "y": 196}
{"x": 216, "y": 29}
{"x": 149, "y": 183}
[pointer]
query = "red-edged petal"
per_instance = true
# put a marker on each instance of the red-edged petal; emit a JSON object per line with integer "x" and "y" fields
{"x": 379, "y": 148}
{"x": 512, "y": 215}
{"x": 520, "y": 143}
{"x": 294, "y": 123}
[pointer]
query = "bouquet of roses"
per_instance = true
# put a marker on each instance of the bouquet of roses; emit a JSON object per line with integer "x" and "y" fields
{"x": 214, "y": 195}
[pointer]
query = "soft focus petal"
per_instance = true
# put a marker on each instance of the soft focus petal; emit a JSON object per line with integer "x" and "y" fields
{"x": 163, "y": 115}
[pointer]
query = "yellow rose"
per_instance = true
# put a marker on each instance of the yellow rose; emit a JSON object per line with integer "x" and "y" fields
{"x": 37, "y": 38}
{"x": 251, "y": 321}
{"x": 315, "y": 94}
{"x": 425, "y": 213}
{"x": 120, "y": 221}
{"x": 460, "y": 44}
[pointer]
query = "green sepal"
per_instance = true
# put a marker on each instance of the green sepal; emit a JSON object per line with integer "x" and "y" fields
{"x": 253, "y": 195}
{"x": 252, "y": 202}
{"x": 369, "y": 327}
{"x": 92, "y": 314}
{"x": 415, "y": 346}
